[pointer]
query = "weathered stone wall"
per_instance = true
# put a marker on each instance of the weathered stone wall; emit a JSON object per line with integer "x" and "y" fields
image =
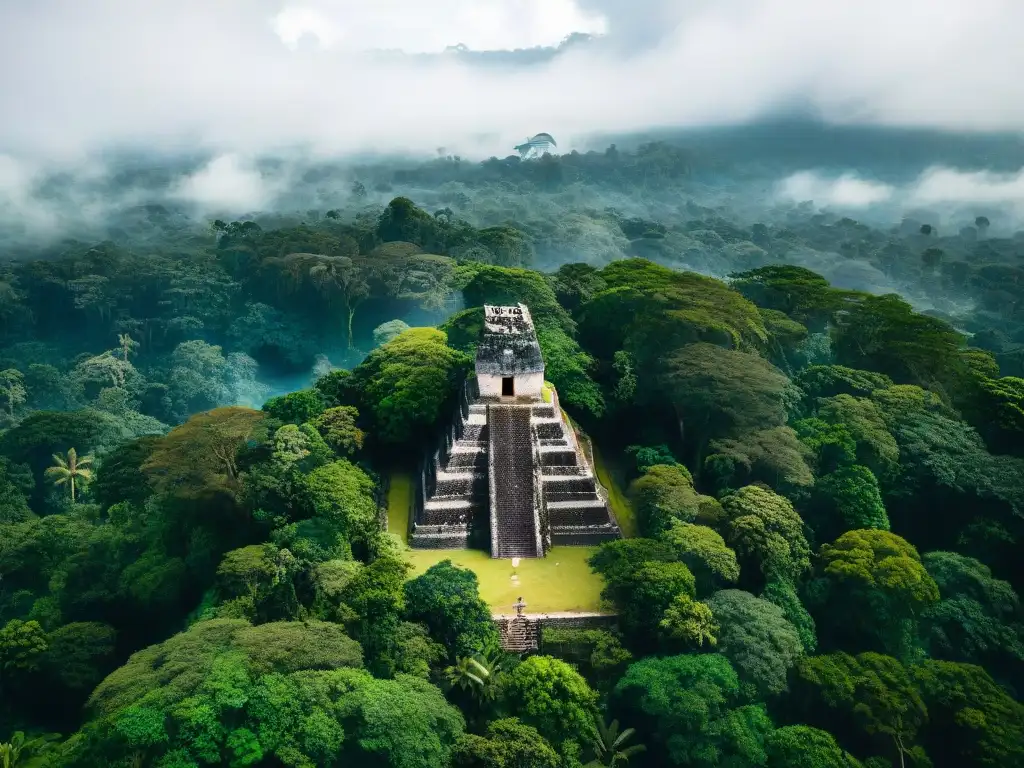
{"x": 521, "y": 634}
{"x": 582, "y": 621}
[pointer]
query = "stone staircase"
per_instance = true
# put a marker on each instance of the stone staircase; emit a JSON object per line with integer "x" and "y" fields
{"x": 519, "y": 634}
{"x": 577, "y": 514}
{"x": 514, "y": 514}
{"x": 453, "y": 485}
{"x": 509, "y": 475}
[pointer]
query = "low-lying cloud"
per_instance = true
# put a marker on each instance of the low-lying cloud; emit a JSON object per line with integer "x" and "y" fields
{"x": 947, "y": 192}
{"x": 227, "y": 183}
{"x": 257, "y": 76}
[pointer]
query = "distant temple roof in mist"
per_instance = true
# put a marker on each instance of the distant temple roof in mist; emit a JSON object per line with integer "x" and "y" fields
{"x": 537, "y": 146}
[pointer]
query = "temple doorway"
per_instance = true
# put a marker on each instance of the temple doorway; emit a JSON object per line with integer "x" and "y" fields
{"x": 508, "y": 387}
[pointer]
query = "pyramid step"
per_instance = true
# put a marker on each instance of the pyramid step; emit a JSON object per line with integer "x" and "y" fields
{"x": 564, "y": 470}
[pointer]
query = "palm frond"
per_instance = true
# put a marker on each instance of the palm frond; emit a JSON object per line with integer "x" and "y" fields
{"x": 623, "y": 737}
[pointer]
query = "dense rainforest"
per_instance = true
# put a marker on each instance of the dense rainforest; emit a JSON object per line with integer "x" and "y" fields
{"x": 820, "y": 421}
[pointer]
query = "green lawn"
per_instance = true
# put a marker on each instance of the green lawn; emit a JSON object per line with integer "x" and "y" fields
{"x": 562, "y": 581}
{"x": 610, "y": 476}
{"x": 400, "y": 493}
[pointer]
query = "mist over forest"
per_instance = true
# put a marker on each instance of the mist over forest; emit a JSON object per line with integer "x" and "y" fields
{"x": 846, "y": 202}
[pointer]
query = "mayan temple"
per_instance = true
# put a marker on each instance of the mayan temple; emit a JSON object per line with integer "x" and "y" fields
{"x": 508, "y": 476}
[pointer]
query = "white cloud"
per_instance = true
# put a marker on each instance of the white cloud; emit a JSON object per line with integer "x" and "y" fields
{"x": 237, "y": 76}
{"x": 846, "y": 191}
{"x": 951, "y": 194}
{"x": 293, "y": 23}
{"x": 943, "y": 185}
{"x": 228, "y": 183}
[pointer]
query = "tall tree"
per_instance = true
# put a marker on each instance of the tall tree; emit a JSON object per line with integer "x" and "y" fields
{"x": 721, "y": 393}
{"x": 201, "y": 456}
{"x": 71, "y": 470}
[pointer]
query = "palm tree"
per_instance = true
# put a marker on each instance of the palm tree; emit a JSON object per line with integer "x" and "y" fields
{"x": 476, "y": 675}
{"x": 12, "y": 751}
{"x": 69, "y": 470}
{"x": 609, "y": 744}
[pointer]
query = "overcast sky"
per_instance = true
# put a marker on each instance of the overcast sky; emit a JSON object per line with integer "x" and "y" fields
{"x": 253, "y": 76}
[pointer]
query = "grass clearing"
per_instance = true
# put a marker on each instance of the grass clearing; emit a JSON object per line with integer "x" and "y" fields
{"x": 400, "y": 490}
{"x": 562, "y": 581}
{"x": 610, "y": 476}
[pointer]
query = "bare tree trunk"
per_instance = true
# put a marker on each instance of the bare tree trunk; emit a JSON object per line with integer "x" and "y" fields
{"x": 899, "y": 749}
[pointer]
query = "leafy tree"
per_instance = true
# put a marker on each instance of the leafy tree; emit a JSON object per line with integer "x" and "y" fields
{"x": 343, "y": 495}
{"x": 568, "y": 367}
{"x": 415, "y": 652}
{"x": 78, "y": 655}
{"x": 21, "y": 644}
{"x": 664, "y": 495}
{"x": 191, "y": 694}
{"x": 552, "y": 697}
{"x": 295, "y": 407}
{"x": 766, "y": 531}
{"x": 338, "y": 428}
{"x": 12, "y": 389}
{"x": 406, "y": 384}
{"x": 375, "y": 596}
{"x": 576, "y": 284}
{"x": 756, "y": 637}
{"x": 795, "y": 291}
{"x": 68, "y": 471}
{"x": 783, "y": 594}
{"x": 649, "y": 309}
{"x": 976, "y": 617}
{"x": 705, "y": 553}
{"x": 597, "y": 653}
{"x": 876, "y": 691}
{"x": 403, "y": 221}
{"x": 692, "y": 710}
{"x": 880, "y": 573}
{"x": 689, "y": 623}
{"x": 446, "y": 599}
{"x": 884, "y": 334}
{"x": 507, "y": 743}
{"x": 997, "y": 408}
{"x": 117, "y": 477}
{"x": 832, "y": 445}
{"x": 875, "y": 446}
{"x": 772, "y": 456}
{"x": 850, "y": 496}
{"x": 642, "y": 591}
{"x": 200, "y": 456}
{"x": 971, "y": 720}
{"x": 944, "y": 468}
{"x": 198, "y": 377}
{"x": 827, "y": 381}
{"x": 719, "y": 393}
{"x": 646, "y": 456}
{"x": 16, "y": 484}
{"x": 801, "y": 746}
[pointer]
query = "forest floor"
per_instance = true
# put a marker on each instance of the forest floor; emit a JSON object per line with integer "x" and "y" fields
{"x": 560, "y": 582}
